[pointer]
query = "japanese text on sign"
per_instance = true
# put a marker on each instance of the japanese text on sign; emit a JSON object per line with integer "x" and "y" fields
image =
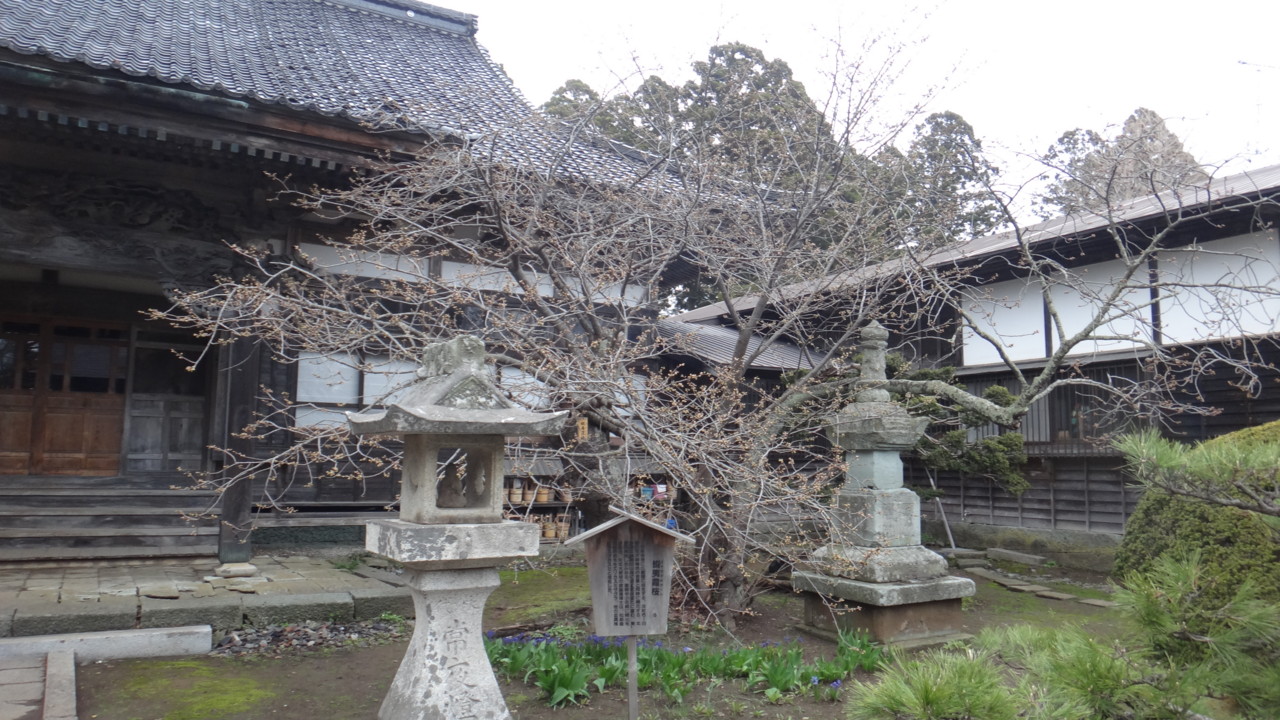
{"x": 626, "y": 584}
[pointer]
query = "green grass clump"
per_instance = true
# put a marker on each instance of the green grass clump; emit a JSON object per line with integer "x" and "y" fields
{"x": 936, "y": 686}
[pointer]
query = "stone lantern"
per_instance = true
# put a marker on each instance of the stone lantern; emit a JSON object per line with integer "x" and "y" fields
{"x": 875, "y": 563}
{"x": 451, "y": 535}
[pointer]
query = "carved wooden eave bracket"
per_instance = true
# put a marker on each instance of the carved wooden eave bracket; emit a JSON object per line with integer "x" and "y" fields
{"x": 455, "y": 396}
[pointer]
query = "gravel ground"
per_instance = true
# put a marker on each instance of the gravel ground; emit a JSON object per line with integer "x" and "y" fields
{"x": 279, "y": 640}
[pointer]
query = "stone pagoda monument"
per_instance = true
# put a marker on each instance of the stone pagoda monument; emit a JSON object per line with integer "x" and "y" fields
{"x": 875, "y": 576}
{"x": 451, "y": 536}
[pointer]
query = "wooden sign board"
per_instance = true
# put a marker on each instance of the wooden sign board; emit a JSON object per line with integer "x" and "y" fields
{"x": 629, "y": 565}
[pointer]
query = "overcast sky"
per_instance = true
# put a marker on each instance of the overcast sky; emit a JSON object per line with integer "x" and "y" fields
{"x": 1020, "y": 71}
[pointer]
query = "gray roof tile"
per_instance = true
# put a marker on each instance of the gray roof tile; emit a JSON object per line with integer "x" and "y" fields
{"x": 369, "y": 61}
{"x": 715, "y": 344}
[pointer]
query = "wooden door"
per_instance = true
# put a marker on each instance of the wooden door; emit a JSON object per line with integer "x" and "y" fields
{"x": 19, "y": 348}
{"x": 166, "y": 407}
{"x": 62, "y": 391}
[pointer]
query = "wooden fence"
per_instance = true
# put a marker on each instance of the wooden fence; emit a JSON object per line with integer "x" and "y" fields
{"x": 1067, "y": 493}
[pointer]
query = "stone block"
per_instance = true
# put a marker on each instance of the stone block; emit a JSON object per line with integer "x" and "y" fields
{"x": 875, "y": 469}
{"x": 222, "y": 613}
{"x": 373, "y": 604}
{"x": 1053, "y": 595}
{"x": 452, "y": 547}
{"x": 971, "y": 563}
{"x": 891, "y": 564}
{"x": 1096, "y": 602}
{"x": 883, "y": 594}
{"x": 1015, "y": 556}
{"x": 879, "y": 518}
{"x": 262, "y": 610}
{"x": 915, "y": 624}
{"x": 6, "y": 621}
{"x": 876, "y": 426}
{"x": 108, "y": 614}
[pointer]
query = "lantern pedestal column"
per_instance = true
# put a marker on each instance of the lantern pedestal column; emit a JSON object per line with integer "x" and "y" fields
{"x": 452, "y": 569}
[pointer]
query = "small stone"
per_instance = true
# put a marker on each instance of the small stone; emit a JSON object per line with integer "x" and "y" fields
{"x": 236, "y": 570}
{"x": 242, "y": 588}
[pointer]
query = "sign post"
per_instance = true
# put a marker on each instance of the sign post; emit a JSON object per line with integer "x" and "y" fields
{"x": 629, "y": 562}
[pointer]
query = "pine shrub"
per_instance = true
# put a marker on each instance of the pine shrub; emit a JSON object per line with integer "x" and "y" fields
{"x": 1236, "y": 545}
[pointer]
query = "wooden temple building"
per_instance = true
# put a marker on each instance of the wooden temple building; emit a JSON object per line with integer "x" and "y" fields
{"x": 137, "y": 141}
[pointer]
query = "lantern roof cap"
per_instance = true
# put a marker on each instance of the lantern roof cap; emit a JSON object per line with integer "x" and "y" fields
{"x": 455, "y": 395}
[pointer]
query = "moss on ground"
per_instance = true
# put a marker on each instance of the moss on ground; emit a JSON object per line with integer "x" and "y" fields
{"x": 198, "y": 690}
{"x": 528, "y": 595}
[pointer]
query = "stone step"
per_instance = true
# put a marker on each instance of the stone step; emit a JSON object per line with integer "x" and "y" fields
{"x": 32, "y": 556}
{"x": 40, "y": 519}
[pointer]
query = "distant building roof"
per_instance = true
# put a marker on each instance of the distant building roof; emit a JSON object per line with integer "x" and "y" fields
{"x": 715, "y": 344}
{"x": 1172, "y": 203}
{"x": 394, "y": 64}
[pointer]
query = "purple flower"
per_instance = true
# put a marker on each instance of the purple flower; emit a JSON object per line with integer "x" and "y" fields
{"x": 835, "y": 684}
{"x": 813, "y": 680}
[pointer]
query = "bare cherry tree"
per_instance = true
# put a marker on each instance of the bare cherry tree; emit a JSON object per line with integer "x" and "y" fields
{"x": 563, "y": 251}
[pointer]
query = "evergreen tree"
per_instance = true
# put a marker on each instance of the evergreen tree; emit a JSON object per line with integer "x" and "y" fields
{"x": 1093, "y": 174}
{"x": 952, "y": 179}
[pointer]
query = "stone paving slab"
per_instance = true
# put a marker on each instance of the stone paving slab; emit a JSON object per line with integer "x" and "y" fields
{"x": 1053, "y": 595}
{"x": 985, "y": 574}
{"x": 21, "y": 687}
{"x": 1097, "y": 603}
{"x": 294, "y": 588}
{"x": 1012, "y": 582}
{"x": 1037, "y": 589}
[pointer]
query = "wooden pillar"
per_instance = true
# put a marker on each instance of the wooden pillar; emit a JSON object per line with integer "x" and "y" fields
{"x": 238, "y": 391}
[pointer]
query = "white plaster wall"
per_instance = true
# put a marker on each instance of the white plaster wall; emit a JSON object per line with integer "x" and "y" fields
{"x": 1220, "y": 289}
{"x": 1013, "y": 311}
{"x": 1080, "y": 295}
{"x": 366, "y": 264}
{"x": 328, "y": 378}
{"x": 386, "y": 380}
